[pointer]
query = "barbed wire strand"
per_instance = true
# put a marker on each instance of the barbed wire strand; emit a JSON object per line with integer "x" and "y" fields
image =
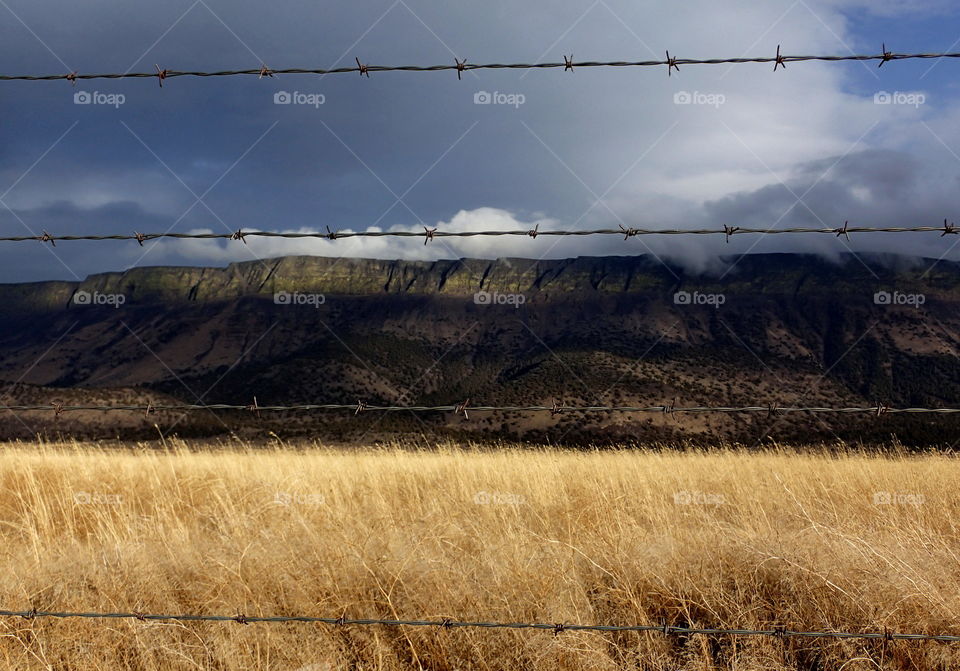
{"x": 460, "y": 66}
{"x": 556, "y": 628}
{"x": 431, "y": 233}
{"x": 464, "y": 407}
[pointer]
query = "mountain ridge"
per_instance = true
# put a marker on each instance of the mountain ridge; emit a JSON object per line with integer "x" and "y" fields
{"x": 456, "y": 277}
{"x": 781, "y": 329}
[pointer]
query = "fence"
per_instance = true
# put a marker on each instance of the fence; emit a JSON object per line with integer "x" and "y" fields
{"x": 431, "y": 233}
{"x": 463, "y": 408}
{"x": 460, "y": 66}
{"x": 447, "y": 623}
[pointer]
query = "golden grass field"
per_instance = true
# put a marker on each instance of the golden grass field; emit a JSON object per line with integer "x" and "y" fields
{"x": 725, "y": 538}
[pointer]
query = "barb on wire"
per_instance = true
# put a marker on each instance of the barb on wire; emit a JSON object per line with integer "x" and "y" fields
{"x": 845, "y": 231}
{"x": 776, "y": 631}
{"x": 461, "y": 408}
{"x": 779, "y": 61}
{"x": 885, "y": 56}
{"x": 361, "y": 68}
{"x": 672, "y": 62}
{"x": 429, "y": 234}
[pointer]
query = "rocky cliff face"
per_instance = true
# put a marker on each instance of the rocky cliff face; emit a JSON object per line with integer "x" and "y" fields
{"x": 355, "y": 277}
{"x": 778, "y": 328}
{"x": 769, "y": 274}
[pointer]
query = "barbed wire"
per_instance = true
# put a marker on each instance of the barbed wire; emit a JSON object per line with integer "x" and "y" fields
{"x": 447, "y": 623}
{"x": 464, "y": 407}
{"x": 429, "y": 234}
{"x": 460, "y": 66}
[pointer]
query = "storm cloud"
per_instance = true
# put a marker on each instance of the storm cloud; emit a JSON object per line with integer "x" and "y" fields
{"x": 711, "y": 145}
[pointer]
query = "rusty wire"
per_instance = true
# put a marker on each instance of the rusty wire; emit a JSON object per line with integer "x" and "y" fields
{"x": 459, "y": 66}
{"x": 461, "y": 408}
{"x": 431, "y": 233}
{"x": 448, "y": 623}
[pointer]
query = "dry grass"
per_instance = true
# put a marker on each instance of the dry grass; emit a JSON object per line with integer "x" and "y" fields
{"x": 589, "y": 537}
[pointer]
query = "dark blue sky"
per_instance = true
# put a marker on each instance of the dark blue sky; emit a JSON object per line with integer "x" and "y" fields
{"x": 805, "y": 146}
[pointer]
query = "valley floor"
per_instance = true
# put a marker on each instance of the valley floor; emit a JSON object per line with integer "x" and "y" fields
{"x": 730, "y": 539}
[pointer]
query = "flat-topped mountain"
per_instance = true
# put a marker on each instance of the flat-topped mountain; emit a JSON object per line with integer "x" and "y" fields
{"x": 778, "y": 328}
